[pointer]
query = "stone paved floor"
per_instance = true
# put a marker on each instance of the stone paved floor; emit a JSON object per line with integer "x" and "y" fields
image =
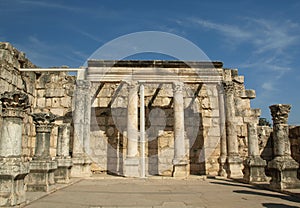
{"x": 159, "y": 193}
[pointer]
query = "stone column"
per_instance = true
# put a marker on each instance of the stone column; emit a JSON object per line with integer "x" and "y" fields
{"x": 64, "y": 161}
{"x": 13, "y": 168}
{"x": 234, "y": 161}
{"x": 180, "y": 161}
{"x": 42, "y": 167}
{"x": 131, "y": 164}
{"x": 223, "y": 145}
{"x": 81, "y": 120}
{"x": 283, "y": 167}
{"x": 254, "y": 165}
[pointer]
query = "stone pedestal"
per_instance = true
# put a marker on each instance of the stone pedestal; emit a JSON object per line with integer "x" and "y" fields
{"x": 180, "y": 161}
{"x": 283, "y": 167}
{"x": 81, "y": 166}
{"x": 81, "y": 119}
{"x": 41, "y": 176}
{"x": 12, "y": 174}
{"x": 64, "y": 161}
{"x": 234, "y": 161}
{"x": 254, "y": 165}
{"x": 131, "y": 163}
{"x": 12, "y": 167}
{"x": 131, "y": 167}
{"x": 63, "y": 171}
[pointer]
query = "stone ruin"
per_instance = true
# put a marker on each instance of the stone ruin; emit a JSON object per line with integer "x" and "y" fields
{"x": 135, "y": 119}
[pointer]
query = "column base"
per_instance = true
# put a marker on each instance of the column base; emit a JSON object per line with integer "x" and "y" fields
{"x": 284, "y": 173}
{"x": 81, "y": 167}
{"x": 234, "y": 164}
{"x": 131, "y": 167}
{"x": 12, "y": 174}
{"x": 180, "y": 168}
{"x": 41, "y": 176}
{"x": 254, "y": 170}
{"x": 63, "y": 171}
{"x": 222, "y": 166}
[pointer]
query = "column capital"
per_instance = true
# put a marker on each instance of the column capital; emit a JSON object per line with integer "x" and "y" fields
{"x": 43, "y": 121}
{"x": 280, "y": 113}
{"x": 14, "y": 104}
{"x": 132, "y": 85}
{"x": 178, "y": 86}
{"x": 83, "y": 85}
{"x": 228, "y": 87}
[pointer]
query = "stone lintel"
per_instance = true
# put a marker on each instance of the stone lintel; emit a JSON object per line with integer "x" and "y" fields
{"x": 154, "y": 63}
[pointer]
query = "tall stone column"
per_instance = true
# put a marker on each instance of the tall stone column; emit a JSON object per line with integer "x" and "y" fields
{"x": 223, "y": 143}
{"x": 131, "y": 164}
{"x": 180, "y": 161}
{"x": 64, "y": 161}
{"x": 283, "y": 167}
{"x": 81, "y": 120}
{"x": 13, "y": 168}
{"x": 234, "y": 160}
{"x": 42, "y": 167}
{"x": 254, "y": 165}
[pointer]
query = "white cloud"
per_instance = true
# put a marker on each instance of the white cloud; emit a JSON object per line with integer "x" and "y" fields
{"x": 231, "y": 31}
{"x": 49, "y": 4}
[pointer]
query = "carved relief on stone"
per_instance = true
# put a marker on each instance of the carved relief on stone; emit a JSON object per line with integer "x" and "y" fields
{"x": 44, "y": 119}
{"x": 178, "y": 87}
{"x": 280, "y": 113}
{"x": 131, "y": 85}
{"x": 83, "y": 85}
{"x": 14, "y": 100}
{"x": 228, "y": 87}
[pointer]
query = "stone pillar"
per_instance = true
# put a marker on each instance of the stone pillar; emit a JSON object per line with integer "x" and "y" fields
{"x": 283, "y": 167}
{"x": 234, "y": 161}
{"x": 254, "y": 165}
{"x": 81, "y": 120}
{"x": 131, "y": 163}
{"x": 13, "y": 168}
{"x": 223, "y": 145}
{"x": 180, "y": 161}
{"x": 42, "y": 167}
{"x": 64, "y": 161}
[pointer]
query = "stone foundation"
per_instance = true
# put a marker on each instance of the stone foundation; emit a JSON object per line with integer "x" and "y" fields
{"x": 41, "y": 176}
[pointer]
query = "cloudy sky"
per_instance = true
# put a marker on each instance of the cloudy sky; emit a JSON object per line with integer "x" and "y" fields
{"x": 259, "y": 37}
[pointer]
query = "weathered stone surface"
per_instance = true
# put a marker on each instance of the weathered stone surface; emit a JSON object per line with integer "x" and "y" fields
{"x": 41, "y": 176}
{"x": 283, "y": 167}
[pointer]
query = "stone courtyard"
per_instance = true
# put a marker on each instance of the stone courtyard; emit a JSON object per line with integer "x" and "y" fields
{"x": 169, "y": 123}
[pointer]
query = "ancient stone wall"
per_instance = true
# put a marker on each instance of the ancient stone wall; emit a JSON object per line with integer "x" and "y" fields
{"x": 12, "y": 79}
{"x": 54, "y": 92}
{"x": 294, "y": 135}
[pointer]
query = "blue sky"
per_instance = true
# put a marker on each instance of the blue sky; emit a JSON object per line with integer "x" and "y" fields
{"x": 260, "y": 38}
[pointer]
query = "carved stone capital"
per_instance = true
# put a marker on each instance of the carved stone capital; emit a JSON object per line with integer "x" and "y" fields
{"x": 228, "y": 87}
{"x": 43, "y": 119}
{"x": 14, "y": 104}
{"x": 132, "y": 85}
{"x": 178, "y": 87}
{"x": 83, "y": 85}
{"x": 280, "y": 113}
